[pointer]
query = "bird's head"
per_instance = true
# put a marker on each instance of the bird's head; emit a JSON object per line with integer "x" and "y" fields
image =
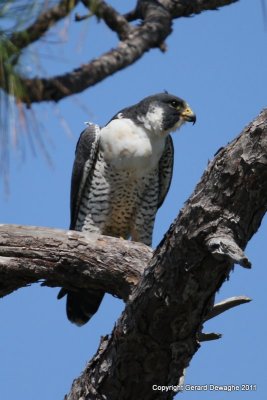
{"x": 161, "y": 113}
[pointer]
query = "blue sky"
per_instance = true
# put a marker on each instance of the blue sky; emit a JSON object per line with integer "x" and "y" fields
{"x": 217, "y": 61}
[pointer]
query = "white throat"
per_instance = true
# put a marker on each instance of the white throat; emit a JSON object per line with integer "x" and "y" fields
{"x": 128, "y": 146}
{"x": 153, "y": 120}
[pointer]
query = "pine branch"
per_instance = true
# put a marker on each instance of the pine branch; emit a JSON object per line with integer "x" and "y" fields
{"x": 42, "y": 24}
{"x": 115, "y": 21}
{"x": 156, "y": 27}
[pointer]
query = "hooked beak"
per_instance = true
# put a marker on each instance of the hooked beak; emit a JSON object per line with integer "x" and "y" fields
{"x": 188, "y": 115}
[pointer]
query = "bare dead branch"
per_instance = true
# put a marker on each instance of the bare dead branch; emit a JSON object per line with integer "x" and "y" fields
{"x": 70, "y": 259}
{"x": 218, "y": 309}
{"x": 206, "y": 337}
{"x": 157, "y": 334}
{"x": 226, "y": 305}
{"x": 79, "y": 18}
{"x": 222, "y": 247}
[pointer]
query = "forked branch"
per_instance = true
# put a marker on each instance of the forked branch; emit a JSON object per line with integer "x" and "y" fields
{"x": 160, "y": 328}
{"x": 135, "y": 41}
{"x": 158, "y": 333}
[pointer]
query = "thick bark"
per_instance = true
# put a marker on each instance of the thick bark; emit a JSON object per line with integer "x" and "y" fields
{"x": 30, "y": 254}
{"x": 157, "y": 19}
{"x": 161, "y": 327}
{"x": 70, "y": 259}
{"x": 157, "y": 334}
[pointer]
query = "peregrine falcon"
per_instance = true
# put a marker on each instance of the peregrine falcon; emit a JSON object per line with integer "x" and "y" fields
{"x": 121, "y": 176}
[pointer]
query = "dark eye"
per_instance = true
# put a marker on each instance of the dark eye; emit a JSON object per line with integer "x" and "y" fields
{"x": 175, "y": 103}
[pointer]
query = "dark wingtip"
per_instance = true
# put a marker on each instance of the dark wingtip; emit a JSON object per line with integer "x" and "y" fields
{"x": 62, "y": 293}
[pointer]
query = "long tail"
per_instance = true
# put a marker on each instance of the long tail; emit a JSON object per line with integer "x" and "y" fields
{"x": 81, "y": 305}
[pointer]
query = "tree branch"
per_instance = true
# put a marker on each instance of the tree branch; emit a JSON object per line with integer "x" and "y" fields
{"x": 156, "y": 336}
{"x": 161, "y": 327}
{"x": 115, "y": 21}
{"x": 70, "y": 259}
{"x": 156, "y": 27}
{"x": 41, "y": 25}
{"x": 29, "y": 254}
{"x": 207, "y": 337}
{"x": 157, "y": 21}
{"x": 181, "y": 8}
{"x": 218, "y": 309}
{"x": 226, "y": 305}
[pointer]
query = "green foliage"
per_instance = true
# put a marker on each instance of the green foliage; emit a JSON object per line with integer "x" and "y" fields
{"x": 14, "y": 15}
{"x": 9, "y": 79}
